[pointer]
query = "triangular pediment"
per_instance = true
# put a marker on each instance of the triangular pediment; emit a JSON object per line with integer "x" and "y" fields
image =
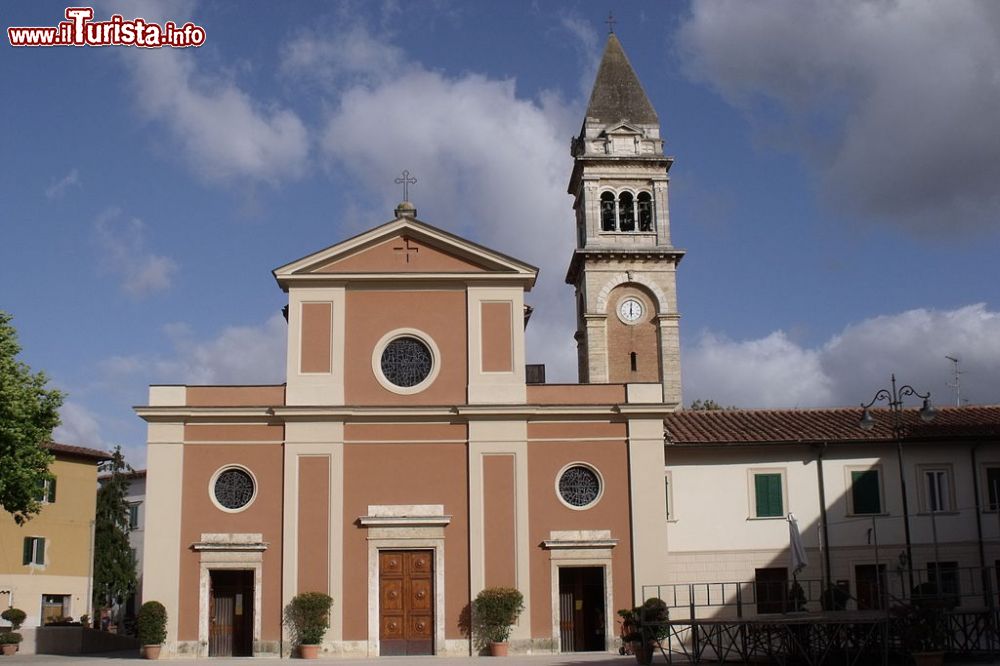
{"x": 622, "y": 128}
{"x": 404, "y": 246}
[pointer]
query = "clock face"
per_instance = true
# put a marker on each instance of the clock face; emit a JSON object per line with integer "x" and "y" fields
{"x": 630, "y": 310}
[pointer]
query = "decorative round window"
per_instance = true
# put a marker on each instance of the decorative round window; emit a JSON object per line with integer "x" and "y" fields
{"x": 406, "y": 361}
{"x": 233, "y": 488}
{"x": 579, "y": 486}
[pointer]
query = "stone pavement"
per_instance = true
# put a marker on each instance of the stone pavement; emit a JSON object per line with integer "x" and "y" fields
{"x": 129, "y": 659}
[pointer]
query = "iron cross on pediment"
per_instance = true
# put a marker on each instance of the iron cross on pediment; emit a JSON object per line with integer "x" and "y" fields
{"x": 407, "y": 250}
{"x": 406, "y": 180}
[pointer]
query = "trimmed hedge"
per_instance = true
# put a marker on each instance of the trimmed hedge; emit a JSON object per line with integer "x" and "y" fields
{"x": 308, "y": 617}
{"x": 151, "y": 623}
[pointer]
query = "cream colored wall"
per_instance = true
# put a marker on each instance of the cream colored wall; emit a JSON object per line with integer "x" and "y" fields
{"x": 319, "y": 388}
{"x": 649, "y": 511}
{"x": 495, "y": 387}
{"x": 713, "y": 538}
{"x": 162, "y": 539}
{"x": 304, "y": 439}
{"x": 492, "y": 437}
{"x": 25, "y": 591}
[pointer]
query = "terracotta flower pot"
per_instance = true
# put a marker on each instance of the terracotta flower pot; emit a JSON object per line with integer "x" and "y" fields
{"x": 643, "y": 652}
{"x": 151, "y": 651}
{"x": 928, "y": 658}
{"x": 309, "y": 651}
{"x": 498, "y": 649}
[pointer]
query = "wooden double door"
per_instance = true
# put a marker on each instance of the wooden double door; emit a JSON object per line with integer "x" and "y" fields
{"x": 406, "y": 602}
{"x": 230, "y": 607}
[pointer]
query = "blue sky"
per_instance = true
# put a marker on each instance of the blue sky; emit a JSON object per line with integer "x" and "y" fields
{"x": 834, "y": 184}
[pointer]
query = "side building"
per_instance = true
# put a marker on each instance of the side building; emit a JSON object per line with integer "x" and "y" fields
{"x": 45, "y": 564}
{"x": 733, "y": 476}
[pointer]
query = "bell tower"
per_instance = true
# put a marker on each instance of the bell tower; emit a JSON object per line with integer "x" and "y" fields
{"x": 624, "y": 266}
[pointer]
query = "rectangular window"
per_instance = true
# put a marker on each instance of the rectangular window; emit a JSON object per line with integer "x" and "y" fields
{"x": 34, "y": 551}
{"x": 668, "y": 495}
{"x": 944, "y": 578}
{"x": 937, "y": 489}
{"x": 45, "y": 490}
{"x": 993, "y": 487}
{"x": 767, "y": 495}
{"x": 133, "y": 516}
{"x": 866, "y": 491}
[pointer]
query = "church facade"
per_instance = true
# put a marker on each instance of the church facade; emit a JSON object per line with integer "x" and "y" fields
{"x": 409, "y": 460}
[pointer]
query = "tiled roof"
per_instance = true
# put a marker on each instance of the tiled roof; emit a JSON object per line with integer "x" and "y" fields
{"x": 617, "y": 93}
{"x": 78, "y": 451}
{"x": 752, "y": 426}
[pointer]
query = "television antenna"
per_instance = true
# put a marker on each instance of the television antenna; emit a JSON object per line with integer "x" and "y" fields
{"x": 957, "y": 382}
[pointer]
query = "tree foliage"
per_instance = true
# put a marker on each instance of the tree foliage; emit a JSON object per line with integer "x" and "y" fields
{"x": 114, "y": 566}
{"x": 707, "y": 405}
{"x": 28, "y": 413}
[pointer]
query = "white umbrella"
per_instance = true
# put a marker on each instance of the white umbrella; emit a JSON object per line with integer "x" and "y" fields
{"x": 799, "y": 558}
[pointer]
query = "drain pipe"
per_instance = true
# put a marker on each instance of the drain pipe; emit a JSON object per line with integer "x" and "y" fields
{"x": 987, "y": 595}
{"x": 822, "y": 513}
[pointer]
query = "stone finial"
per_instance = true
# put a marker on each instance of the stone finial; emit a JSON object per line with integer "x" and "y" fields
{"x": 406, "y": 209}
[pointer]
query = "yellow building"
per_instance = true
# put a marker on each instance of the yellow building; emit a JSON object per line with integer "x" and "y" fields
{"x": 45, "y": 564}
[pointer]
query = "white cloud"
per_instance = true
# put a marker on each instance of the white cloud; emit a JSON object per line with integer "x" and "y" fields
{"x": 123, "y": 251}
{"x": 79, "y": 426}
{"x": 58, "y": 188}
{"x": 224, "y": 133}
{"x": 353, "y": 54}
{"x": 250, "y": 354}
{"x": 774, "y": 371}
{"x": 891, "y": 102}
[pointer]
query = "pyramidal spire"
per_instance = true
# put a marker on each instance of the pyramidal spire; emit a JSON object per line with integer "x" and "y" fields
{"x": 617, "y": 93}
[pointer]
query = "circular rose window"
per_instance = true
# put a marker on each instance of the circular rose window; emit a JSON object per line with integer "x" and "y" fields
{"x": 579, "y": 486}
{"x": 233, "y": 489}
{"x": 406, "y": 361}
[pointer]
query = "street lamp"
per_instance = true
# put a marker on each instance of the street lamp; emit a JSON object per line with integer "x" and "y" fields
{"x": 927, "y": 413}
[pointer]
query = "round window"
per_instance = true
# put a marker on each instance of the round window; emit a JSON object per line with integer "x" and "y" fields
{"x": 406, "y": 361}
{"x": 579, "y": 486}
{"x": 233, "y": 489}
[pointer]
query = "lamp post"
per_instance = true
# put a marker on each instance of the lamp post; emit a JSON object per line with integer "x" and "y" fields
{"x": 894, "y": 398}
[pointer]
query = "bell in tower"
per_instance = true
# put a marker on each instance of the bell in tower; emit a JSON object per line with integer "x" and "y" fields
{"x": 624, "y": 266}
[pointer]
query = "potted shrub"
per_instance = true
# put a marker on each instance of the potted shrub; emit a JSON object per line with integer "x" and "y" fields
{"x": 922, "y": 626}
{"x": 494, "y": 612}
{"x": 835, "y": 598}
{"x": 643, "y": 627}
{"x": 151, "y": 625}
{"x": 10, "y": 640}
{"x": 308, "y": 617}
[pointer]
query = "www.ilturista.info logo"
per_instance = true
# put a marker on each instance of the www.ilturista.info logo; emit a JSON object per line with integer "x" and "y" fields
{"x": 79, "y": 29}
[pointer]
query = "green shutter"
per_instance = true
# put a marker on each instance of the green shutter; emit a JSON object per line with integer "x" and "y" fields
{"x": 52, "y": 490}
{"x": 767, "y": 489}
{"x": 40, "y": 490}
{"x": 993, "y": 487}
{"x": 26, "y": 559}
{"x": 865, "y": 492}
{"x": 40, "y": 550}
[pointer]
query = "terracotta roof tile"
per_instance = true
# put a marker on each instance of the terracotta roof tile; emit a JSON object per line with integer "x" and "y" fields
{"x": 745, "y": 426}
{"x": 78, "y": 451}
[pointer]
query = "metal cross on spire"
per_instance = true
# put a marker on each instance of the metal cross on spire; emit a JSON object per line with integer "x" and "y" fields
{"x": 406, "y": 181}
{"x": 611, "y": 23}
